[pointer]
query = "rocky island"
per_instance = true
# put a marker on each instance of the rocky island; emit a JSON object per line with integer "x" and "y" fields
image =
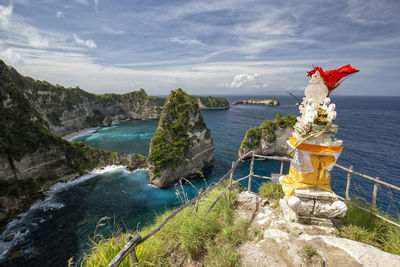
{"x": 270, "y": 137}
{"x": 211, "y": 102}
{"x": 182, "y": 145}
{"x": 270, "y": 101}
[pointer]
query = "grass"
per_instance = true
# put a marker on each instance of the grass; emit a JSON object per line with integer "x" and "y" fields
{"x": 271, "y": 191}
{"x": 209, "y": 238}
{"x": 362, "y": 226}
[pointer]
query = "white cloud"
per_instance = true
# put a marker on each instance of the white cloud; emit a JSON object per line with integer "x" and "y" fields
{"x": 10, "y": 56}
{"x": 88, "y": 43}
{"x": 373, "y": 12}
{"x": 5, "y": 16}
{"x": 109, "y": 30}
{"x": 59, "y": 14}
{"x": 185, "y": 41}
{"x": 247, "y": 80}
{"x": 36, "y": 40}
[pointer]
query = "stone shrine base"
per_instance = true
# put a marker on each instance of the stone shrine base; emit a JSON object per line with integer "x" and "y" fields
{"x": 313, "y": 206}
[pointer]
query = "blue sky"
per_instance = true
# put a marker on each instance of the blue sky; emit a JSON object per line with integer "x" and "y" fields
{"x": 205, "y": 47}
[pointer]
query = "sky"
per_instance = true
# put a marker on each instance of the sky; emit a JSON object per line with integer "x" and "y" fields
{"x": 218, "y": 47}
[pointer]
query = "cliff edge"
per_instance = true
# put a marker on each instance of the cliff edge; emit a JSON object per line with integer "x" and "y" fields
{"x": 182, "y": 144}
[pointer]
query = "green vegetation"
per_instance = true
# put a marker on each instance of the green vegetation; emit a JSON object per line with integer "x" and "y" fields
{"x": 171, "y": 141}
{"x": 266, "y": 130}
{"x": 362, "y": 226}
{"x": 212, "y": 101}
{"x": 270, "y": 190}
{"x": 210, "y": 238}
{"x": 307, "y": 253}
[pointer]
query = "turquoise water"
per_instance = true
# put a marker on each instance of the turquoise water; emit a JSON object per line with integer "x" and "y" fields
{"x": 60, "y": 227}
{"x": 131, "y": 136}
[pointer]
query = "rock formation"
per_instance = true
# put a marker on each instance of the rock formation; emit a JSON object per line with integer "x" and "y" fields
{"x": 31, "y": 157}
{"x": 270, "y": 137}
{"x": 271, "y": 101}
{"x": 67, "y": 110}
{"x": 182, "y": 145}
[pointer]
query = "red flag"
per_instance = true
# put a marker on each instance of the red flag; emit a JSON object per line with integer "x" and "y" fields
{"x": 333, "y": 78}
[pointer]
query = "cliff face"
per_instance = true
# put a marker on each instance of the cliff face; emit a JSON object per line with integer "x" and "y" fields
{"x": 271, "y": 101}
{"x": 270, "y": 137}
{"x": 67, "y": 110}
{"x": 31, "y": 157}
{"x": 182, "y": 144}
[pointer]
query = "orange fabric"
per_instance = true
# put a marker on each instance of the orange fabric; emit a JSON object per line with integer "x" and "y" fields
{"x": 296, "y": 180}
{"x": 315, "y": 148}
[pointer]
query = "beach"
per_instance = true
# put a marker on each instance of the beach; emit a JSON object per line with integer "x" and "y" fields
{"x": 70, "y": 136}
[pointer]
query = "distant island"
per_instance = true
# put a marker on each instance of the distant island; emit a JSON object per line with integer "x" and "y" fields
{"x": 270, "y": 101}
{"x": 211, "y": 102}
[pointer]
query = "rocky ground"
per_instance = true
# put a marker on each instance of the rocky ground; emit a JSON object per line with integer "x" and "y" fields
{"x": 277, "y": 242}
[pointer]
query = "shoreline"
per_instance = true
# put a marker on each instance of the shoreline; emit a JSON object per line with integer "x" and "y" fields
{"x": 70, "y": 136}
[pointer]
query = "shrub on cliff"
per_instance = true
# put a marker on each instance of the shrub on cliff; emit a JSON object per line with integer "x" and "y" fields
{"x": 266, "y": 131}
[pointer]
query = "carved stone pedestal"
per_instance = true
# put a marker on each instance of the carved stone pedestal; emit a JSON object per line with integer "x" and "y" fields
{"x": 313, "y": 206}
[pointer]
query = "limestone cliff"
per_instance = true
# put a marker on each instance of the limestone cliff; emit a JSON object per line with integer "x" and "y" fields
{"x": 32, "y": 158}
{"x": 270, "y": 137}
{"x": 271, "y": 101}
{"x": 67, "y": 110}
{"x": 182, "y": 144}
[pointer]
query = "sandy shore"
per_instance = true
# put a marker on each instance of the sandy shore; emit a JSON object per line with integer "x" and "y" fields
{"x": 75, "y": 134}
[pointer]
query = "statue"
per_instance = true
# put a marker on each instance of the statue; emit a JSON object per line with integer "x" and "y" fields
{"x": 307, "y": 188}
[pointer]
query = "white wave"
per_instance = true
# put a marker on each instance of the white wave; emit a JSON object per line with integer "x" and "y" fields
{"x": 154, "y": 186}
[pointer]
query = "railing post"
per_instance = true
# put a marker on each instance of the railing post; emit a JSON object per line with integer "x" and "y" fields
{"x": 196, "y": 205}
{"x": 374, "y": 194}
{"x": 281, "y": 171}
{"x": 132, "y": 254}
{"x": 251, "y": 171}
{"x": 348, "y": 183}
{"x": 231, "y": 176}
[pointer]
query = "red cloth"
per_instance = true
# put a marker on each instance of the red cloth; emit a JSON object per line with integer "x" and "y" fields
{"x": 333, "y": 78}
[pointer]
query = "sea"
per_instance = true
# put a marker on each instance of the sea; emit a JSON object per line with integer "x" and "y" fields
{"x": 111, "y": 200}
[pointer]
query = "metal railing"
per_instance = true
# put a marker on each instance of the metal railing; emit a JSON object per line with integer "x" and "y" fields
{"x": 132, "y": 242}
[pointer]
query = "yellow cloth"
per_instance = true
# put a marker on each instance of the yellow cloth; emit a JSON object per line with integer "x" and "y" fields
{"x": 314, "y": 148}
{"x": 318, "y": 177}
